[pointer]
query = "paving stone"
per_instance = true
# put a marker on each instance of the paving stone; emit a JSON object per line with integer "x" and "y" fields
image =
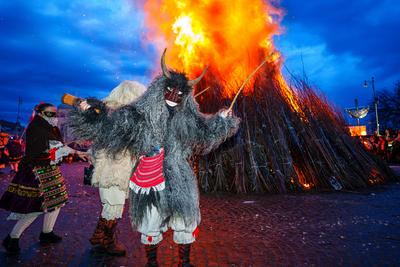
{"x": 358, "y": 228}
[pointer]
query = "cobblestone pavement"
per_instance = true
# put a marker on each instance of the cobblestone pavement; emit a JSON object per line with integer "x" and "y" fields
{"x": 358, "y": 228}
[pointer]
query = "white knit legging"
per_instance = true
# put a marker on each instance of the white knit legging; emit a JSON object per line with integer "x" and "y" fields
{"x": 48, "y": 223}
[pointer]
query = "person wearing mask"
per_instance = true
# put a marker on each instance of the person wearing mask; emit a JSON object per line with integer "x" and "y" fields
{"x": 38, "y": 187}
{"x": 111, "y": 175}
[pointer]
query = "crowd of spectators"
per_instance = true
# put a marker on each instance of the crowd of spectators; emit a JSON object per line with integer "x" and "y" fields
{"x": 12, "y": 150}
{"x": 386, "y": 146}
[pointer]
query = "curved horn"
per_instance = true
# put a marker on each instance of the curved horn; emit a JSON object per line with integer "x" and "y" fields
{"x": 164, "y": 66}
{"x": 193, "y": 82}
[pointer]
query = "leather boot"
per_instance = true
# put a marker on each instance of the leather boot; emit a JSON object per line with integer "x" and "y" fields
{"x": 49, "y": 238}
{"x": 11, "y": 245}
{"x": 151, "y": 253}
{"x": 184, "y": 255}
{"x": 111, "y": 244}
{"x": 99, "y": 234}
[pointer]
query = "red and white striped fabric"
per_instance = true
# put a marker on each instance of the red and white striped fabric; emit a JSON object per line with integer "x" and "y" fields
{"x": 148, "y": 174}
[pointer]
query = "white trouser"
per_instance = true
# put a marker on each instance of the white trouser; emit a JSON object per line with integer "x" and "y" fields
{"x": 152, "y": 229}
{"x": 113, "y": 200}
{"x": 27, "y": 219}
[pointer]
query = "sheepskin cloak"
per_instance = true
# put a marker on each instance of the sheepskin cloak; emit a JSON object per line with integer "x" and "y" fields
{"x": 112, "y": 170}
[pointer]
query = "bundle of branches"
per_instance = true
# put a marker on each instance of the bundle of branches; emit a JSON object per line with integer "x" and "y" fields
{"x": 290, "y": 139}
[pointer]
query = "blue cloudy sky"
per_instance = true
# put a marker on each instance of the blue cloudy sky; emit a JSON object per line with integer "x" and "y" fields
{"x": 86, "y": 47}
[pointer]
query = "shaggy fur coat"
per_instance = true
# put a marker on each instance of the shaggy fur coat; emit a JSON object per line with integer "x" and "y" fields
{"x": 115, "y": 170}
{"x": 147, "y": 123}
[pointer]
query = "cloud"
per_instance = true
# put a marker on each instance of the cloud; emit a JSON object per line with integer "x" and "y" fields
{"x": 82, "y": 47}
{"x": 342, "y": 43}
{"x": 338, "y": 75}
{"x": 87, "y": 47}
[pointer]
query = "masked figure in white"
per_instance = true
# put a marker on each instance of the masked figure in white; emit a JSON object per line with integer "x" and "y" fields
{"x": 111, "y": 175}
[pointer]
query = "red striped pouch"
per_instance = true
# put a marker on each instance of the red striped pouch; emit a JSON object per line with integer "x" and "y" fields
{"x": 148, "y": 174}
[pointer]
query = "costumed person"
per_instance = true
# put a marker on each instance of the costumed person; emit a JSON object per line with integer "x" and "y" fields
{"x": 38, "y": 186}
{"x": 163, "y": 128}
{"x": 15, "y": 153}
{"x": 111, "y": 175}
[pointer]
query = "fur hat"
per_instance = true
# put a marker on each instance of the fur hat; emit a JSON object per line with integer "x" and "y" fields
{"x": 125, "y": 93}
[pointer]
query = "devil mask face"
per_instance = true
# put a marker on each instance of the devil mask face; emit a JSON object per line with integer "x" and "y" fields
{"x": 173, "y": 96}
{"x": 177, "y": 85}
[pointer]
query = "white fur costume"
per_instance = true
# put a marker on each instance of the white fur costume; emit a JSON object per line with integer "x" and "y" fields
{"x": 110, "y": 174}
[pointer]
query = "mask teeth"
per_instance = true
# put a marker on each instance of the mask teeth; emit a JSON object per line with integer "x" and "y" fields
{"x": 170, "y": 103}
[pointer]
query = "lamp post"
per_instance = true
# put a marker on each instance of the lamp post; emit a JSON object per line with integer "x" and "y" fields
{"x": 375, "y": 102}
{"x": 358, "y": 119}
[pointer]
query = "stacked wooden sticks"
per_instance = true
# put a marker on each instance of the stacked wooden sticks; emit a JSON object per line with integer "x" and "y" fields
{"x": 277, "y": 149}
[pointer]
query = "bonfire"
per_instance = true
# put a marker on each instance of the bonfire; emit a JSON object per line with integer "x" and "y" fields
{"x": 290, "y": 138}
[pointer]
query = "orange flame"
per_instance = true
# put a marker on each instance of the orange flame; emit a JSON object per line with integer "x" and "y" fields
{"x": 232, "y": 37}
{"x": 301, "y": 179}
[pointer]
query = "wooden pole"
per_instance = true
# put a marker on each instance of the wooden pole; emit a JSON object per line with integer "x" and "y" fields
{"x": 246, "y": 81}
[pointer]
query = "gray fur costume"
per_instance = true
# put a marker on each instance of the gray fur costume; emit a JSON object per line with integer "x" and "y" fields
{"x": 149, "y": 123}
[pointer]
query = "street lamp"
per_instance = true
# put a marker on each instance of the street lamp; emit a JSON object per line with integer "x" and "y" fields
{"x": 375, "y": 101}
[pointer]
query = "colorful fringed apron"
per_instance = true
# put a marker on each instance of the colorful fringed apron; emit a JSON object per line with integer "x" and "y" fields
{"x": 148, "y": 174}
{"x": 52, "y": 187}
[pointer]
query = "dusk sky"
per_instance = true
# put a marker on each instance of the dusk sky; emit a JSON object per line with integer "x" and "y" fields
{"x": 87, "y": 47}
